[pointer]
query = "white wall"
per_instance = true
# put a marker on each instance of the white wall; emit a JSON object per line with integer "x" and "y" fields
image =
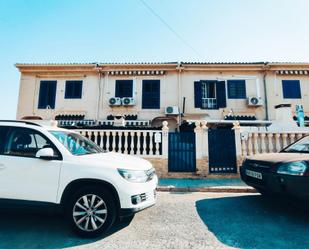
{"x": 170, "y": 93}
{"x": 275, "y": 93}
{"x": 239, "y": 106}
{"x": 29, "y": 94}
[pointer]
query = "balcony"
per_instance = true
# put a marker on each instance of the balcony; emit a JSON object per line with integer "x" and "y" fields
{"x": 209, "y": 103}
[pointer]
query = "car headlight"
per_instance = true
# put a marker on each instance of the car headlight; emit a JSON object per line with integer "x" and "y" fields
{"x": 138, "y": 176}
{"x": 293, "y": 168}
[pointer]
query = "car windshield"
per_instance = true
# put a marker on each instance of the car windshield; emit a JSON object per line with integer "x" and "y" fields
{"x": 301, "y": 146}
{"x": 76, "y": 144}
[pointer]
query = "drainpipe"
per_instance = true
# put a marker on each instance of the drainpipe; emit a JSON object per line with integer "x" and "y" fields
{"x": 266, "y": 67}
{"x": 179, "y": 68}
{"x": 100, "y": 89}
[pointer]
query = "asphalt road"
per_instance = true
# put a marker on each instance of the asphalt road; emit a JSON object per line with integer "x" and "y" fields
{"x": 179, "y": 220}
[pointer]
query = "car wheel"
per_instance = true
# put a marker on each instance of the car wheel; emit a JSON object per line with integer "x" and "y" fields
{"x": 91, "y": 211}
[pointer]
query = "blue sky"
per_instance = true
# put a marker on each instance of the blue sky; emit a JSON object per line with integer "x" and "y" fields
{"x": 126, "y": 31}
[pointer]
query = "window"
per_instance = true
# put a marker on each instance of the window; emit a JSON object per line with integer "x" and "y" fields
{"x": 291, "y": 89}
{"x": 236, "y": 89}
{"x": 151, "y": 94}
{"x": 25, "y": 142}
{"x": 124, "y": 88}
{"x": 209, "y": 94}
{"x": 73, "y": 89}
{"x": 76, "y": 144}
{"x": 209, "y": 100}
{"x": 47, "y": 94}
{"x": 3, "y": 136}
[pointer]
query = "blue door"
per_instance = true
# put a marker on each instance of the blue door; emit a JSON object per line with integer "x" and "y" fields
{"x": 222, "y": 151}
{"x": 181, "y": 152}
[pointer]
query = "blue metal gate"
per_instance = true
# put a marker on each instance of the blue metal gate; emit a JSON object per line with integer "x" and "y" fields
{"x": 181, "y": 152}
{"x": 222, "y": 151}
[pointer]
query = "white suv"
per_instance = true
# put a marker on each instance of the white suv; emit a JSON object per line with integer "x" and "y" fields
{"x": 46, "y": 164}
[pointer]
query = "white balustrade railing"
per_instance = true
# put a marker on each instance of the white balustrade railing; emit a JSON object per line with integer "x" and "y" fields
{"x": 146, "y": 143}
{"x": 258, "y": 142}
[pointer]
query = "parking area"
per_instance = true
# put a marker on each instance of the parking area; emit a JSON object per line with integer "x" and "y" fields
{"x": 179, "y": 220}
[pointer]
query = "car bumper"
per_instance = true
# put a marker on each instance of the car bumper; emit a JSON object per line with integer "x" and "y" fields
{"x": 147, "y": 190}
{"x": 130, "y": 211}
{"x": 296, "y": 186}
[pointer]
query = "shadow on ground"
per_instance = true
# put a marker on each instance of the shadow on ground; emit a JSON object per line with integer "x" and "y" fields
{"x": 254, "y": 221}
{"x": 20, "y": 228}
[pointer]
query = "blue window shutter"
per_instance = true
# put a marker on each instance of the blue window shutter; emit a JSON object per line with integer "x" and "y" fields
{"x": 73, "y": 89}
{"x": 124, "y": 88}
{"x": 236, "y": 89}
{"x": 151, "y": 94}
{"x": 42, "y": 95}
{"x": 52, "y": 94}
{"x": 221, "y": 94}
{"x": 291, "y": 89}
{"x": 47, "y": 94}
{"x": 197, "y": 94}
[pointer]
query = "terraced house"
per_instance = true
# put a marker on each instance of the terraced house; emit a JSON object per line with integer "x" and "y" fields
{"x": 141, "y": 96}
{"x": 148, "y": 93}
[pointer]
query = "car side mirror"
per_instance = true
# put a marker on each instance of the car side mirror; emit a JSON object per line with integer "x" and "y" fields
{"x": 45, "y": 153}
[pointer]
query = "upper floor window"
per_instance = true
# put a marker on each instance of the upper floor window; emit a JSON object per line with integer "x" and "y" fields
{"x": 151, "y": 94}
{"x": 291, "y": 89}
{"x": 209, "y": 94}
{"x": 73, "y": 89}
{"x": 47, "y": 94}
{"x": 236, "y": 89}
{"x": 124, "y": 88}
{"x": 209, "y": 100}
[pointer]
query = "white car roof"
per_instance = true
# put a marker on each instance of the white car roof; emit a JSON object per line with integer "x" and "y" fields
{"x": 42, "y": 124}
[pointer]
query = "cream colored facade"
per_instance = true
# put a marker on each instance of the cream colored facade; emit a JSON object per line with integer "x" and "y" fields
{"x": 176, "y": 83}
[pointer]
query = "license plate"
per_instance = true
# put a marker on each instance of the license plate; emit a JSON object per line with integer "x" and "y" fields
{"x": 254, "y": 174}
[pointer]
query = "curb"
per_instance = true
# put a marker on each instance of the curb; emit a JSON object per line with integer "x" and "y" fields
{"x": 222, "y": 189}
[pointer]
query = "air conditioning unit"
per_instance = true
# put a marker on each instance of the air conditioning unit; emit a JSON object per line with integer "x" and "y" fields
{"x": 255, "y": 101}
{"x": 128, "y": 101}
{"x": 172, "y": 110}
{"x": 114, "y": 101}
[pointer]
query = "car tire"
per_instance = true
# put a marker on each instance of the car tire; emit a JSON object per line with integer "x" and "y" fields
{"x": 126, "y": 219}
{"x": 91, "y": 211}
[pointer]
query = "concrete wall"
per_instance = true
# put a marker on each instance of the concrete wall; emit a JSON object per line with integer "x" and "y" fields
{"x": 275, "y": 93}
{"x": 168, "y": 96}
{"x": 176, "y": 83}
{"x": 29, "y": 95}
{"x": 239, "y": 106}
{"x": 173, "y": 87}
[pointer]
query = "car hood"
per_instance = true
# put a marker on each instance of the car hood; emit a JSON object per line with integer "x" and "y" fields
{"x": 116, "y": 160}
{"x": 279, "y": 157}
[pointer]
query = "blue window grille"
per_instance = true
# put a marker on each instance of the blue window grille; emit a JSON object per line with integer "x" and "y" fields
{"x": 236, "y": 89}
{"x": 151, "y": 94}
{"x": 47, "y": 94}
{"x": 124, "y": 88}
{"x": 291, "y": 89}
{"x": 73, "y": 89}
